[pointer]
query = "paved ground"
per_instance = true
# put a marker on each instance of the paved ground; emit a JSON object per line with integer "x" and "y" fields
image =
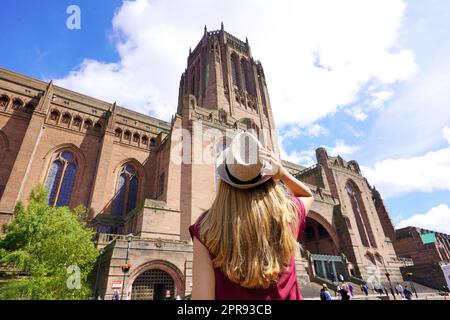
{"x": 311, "y": 292}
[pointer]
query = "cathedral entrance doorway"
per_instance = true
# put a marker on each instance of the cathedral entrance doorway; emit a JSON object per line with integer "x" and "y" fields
{"x": 320, "y": 239}
{"x": 153, "y": 284}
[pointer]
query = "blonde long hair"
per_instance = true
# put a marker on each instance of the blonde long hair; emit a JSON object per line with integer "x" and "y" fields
{"x": 251, "y": 233}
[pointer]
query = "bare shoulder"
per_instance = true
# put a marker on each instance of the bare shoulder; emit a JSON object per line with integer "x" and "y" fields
{"x": 307, "y": 202}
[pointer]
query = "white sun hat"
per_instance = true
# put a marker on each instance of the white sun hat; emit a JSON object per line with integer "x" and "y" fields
{"x": 239, "y": 164}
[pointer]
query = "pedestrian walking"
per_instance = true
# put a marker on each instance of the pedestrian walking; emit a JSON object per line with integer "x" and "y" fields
{"x": 365, "y": 289}
{"x": 116, "y": 295}
{"x": 350, "y": 289}
{"x": 324, "y": 293}
{"x": 407, "y": 293}
{"x": 399, "y": 289}
{"x": 343, "y": 292}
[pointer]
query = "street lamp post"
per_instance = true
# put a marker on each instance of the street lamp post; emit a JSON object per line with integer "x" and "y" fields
{"x": 388, "y": 276}
{"x": 102, "y": 250}
{"x": 126, "y": 267}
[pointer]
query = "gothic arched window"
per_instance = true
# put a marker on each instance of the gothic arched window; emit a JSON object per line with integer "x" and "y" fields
{"x": 118, "y": 133}
{"x": 247, "y": 76}
{"x": 54, "y": 115}
{"x": 66, "y": 119}
{"x": 77, "y": 122}
{"x": 88, "y": 124}
{"x": 17, "y": 104}
{"x": 29, "y": 108}
{"x": 359, "y": 211}
{"x": 127, "y": 187}
{"x": 61, "y": 178}
{"x": 4, "y": 101}
{"x": 235, "y": 71}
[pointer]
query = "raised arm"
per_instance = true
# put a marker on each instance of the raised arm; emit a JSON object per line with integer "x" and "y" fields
{"x": 279, "y": 172}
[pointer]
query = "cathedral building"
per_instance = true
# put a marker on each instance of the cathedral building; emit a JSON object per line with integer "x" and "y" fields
{"x": 125, "y": 168}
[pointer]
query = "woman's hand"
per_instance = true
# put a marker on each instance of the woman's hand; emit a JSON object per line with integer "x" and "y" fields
{"x": 273, "y": 166}
{"x": 277, "y": 171}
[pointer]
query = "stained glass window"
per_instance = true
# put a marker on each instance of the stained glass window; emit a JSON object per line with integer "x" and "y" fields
{"x": 53, "y": 178}
{"x": 67, "y": 185}
{"x": 61, "y": 178}
{"x": 125, "y": 198}
{"x": 132, "y": 193}
{"x": 119, "y": 197}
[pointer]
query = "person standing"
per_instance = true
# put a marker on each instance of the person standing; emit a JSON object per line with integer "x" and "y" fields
{"x": 399, "y": 289}
{"x": 350, "y": 289}
{"x": 365, "y": 289}
{"x": 227, "y": 262}
{"x": 407, "y": 293}
{"x": 116, "y": 295}
{"x": 324, "y": 293}
{"x": 343, "y": 291}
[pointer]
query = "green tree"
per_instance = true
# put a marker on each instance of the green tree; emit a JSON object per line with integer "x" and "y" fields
{"x": 50, "y": 245}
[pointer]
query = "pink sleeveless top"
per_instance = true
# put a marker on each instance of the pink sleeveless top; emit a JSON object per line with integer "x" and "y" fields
{"x": 285, "y": 289}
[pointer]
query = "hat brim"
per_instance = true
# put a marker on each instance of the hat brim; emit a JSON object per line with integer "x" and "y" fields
{"x": 222, "y": 172}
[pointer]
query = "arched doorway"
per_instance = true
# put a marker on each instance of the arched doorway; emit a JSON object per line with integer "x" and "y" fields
{"x": 320, "y": 239}
{"x": 152, "y": 284}
{"x": 317, "y": 240}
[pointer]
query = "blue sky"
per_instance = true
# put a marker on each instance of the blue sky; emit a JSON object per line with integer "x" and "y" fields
{"x": 367, "y": 79}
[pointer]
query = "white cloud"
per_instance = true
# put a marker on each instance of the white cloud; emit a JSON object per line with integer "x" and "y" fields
{"x": 427, "y": 172}
{"x": 342, "y": 148}
{"x": 307, "y": 157}
{"x": 357, "y": 113}
{"x": 304, "y": 158}
{"x": 412, "y": 123}
{"x": 313, "y": 130}
{"x": 446, "y": 132}
{"x": 379, "y": 98}
{"x": 317, "y": 54}
{"x": 354, "y": 132}
{"x": 436, "y": 219}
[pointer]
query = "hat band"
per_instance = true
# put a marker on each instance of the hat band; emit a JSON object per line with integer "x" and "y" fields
{"x": 241, "y": 182}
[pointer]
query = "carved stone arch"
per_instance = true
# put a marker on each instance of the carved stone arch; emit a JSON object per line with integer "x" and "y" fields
{"x": 327, "y": 225}
{"x": 145, "y": 139}
{"x": 66, "y": 118}
{"x": 29, "y": 107}
{"x": 135, "y": 137}
{"x": 133, "y": 161}
{"x": 118, "y": 131}
{"x": 163, "y": 265}
{"x": 88, "y": 123}
{"x": 98, "y": 125}
{"x": 127, "y": 135}
{"x": 18, "y": 99}
{"x": 54, "y": 115}
{"x": 77, "y": 121}
{"x": 4, "y": 101}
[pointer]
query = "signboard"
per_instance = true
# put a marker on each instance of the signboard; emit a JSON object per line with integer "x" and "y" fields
{"x": 428, "y": 238}
{"x": 117, "y": 284}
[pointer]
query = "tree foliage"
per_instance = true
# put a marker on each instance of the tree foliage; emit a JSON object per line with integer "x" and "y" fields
{"x": 50, "y": 245}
